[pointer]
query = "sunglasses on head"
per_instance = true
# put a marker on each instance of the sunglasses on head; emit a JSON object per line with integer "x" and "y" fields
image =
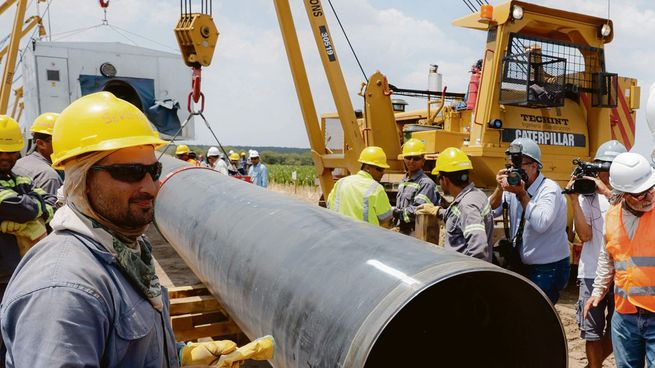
{"x": 641, "y": 195}
{"x": 413, "y": 158}
{"x": 131, "y": 173}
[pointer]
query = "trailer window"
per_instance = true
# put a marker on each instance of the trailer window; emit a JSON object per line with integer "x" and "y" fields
{"x": 52, "y": 75}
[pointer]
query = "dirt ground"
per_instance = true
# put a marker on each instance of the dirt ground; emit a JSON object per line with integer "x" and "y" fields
{"x": 173, "y": 272}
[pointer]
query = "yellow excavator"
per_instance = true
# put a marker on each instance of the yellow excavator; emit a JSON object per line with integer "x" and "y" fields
{"x": 541, "y": 75}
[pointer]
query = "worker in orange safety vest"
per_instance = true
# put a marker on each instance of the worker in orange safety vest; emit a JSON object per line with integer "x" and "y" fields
{"x": 628, "y": 260}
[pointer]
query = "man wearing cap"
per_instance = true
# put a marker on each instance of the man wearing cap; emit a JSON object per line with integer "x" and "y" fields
{"x": 415, "y": 188}
{"x": 588, "y": 222}
{"x": 37, "y": 165}
{"x": 537, "y": 211}
{"x": 214, "y": 160}
{"x": 469, "y": 222}
{"x": 87, "y": 295}
{"x": 258, "y": 172}
{"x": 628, "y": 260}
{"x": 361, "y": 196}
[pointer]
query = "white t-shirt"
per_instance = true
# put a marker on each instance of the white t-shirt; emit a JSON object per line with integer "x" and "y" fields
{"x": 594, "y": 208}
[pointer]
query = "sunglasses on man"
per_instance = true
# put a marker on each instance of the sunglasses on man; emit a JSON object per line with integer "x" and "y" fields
{"x": 131, "y": 173}
{"x": 413, "y": 158}
{"x": 642, "y": 195}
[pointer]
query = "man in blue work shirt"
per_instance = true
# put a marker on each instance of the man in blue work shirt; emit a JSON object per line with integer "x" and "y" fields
{"x": 544, "y": 248}
{"x": 258, "y": 172}
{"x": 37, "y": 165}
{"x": 87, "y": 295}
{"x": 415, "y": 188}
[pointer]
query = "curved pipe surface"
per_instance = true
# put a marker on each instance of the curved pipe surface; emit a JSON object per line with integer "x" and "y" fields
{"x": 339, "y": 293}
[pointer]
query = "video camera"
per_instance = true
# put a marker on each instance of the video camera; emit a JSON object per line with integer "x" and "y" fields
{"x": 582, "y": 185}
{"x": 515, "y": 172}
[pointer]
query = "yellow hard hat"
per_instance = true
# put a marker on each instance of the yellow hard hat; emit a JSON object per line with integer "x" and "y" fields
{"x": 182, "y": 149}
{"x": 99, "y": 122}
{"x": 11, "y": 139}
{"x": 44, "y": 123}
{"x": 452, "y": 159}
{"x": 243, "y": 153}
{"x": 373, "y": 156}
{"x": 234, "y": 157}
{"x": 414, "y": 147}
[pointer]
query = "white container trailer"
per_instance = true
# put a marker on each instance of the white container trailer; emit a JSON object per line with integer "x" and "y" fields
{"x": 57, "y": 73}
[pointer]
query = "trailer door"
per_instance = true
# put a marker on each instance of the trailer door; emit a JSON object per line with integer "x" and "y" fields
{"x": 52, "y": 79}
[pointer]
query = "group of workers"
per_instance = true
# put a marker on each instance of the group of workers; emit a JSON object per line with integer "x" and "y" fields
{"x": 77, "y": 276}
{"x": 616, "y": 306}
{"x": 86, "y": 294}
{"x": 237, "y": 164}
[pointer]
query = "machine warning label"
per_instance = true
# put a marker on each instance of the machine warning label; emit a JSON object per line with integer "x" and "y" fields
{"x": 327, "y": 42}
{"x": 545, "y": 138}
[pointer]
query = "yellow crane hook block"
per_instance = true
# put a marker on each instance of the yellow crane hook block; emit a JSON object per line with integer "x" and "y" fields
{"x": 196, "y": 35}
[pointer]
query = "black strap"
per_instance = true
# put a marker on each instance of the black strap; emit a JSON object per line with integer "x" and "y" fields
{"x": 506, "y": 219}
{"x": 518, "y": 238}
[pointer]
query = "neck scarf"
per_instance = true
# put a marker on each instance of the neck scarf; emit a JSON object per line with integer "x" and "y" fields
{"x": 127, "y": 245}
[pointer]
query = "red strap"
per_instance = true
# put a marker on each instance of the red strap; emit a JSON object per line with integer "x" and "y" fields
{"x": 179, "y": 170}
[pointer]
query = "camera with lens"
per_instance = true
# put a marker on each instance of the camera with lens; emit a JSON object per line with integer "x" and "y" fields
{"x": 515, "y": 172}
{"x": 582, "y": 185}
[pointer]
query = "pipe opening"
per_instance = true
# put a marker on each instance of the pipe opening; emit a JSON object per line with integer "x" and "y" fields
{"x": 124, "y": 91}
{"x": 476, "y": 319}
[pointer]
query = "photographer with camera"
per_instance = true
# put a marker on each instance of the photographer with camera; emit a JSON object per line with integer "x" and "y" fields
{"x": 537, "y": 217}
{"x": 590, "y": 193}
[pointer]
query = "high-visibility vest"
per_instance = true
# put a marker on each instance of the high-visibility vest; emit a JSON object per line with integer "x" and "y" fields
{"x": 634, "y": 261}
{"x": 360, "y": 197}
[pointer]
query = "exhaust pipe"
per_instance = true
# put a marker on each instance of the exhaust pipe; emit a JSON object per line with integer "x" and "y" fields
{"x": 339, "y": 293}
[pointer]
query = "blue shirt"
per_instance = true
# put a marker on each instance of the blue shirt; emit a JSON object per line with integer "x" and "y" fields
{"x": 259, "y": 175}
{"x": 68, "y": 305}
{"x": 544, "y": 235}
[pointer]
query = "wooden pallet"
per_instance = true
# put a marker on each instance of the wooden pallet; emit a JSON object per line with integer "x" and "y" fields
{"x": 196, "y": 314}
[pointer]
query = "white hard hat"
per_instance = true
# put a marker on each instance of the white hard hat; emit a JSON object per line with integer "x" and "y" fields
{"x": 253, "y": 153}
{"x": 213, "y": 151}
{"x": 609, "y": 150}
{"x": 631, "y": 173}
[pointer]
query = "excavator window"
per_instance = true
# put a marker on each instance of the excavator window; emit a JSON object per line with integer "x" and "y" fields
{"x": 540, "y": 72}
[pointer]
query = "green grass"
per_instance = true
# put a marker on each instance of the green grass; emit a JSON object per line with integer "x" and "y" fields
{"x": 281, "y": 174}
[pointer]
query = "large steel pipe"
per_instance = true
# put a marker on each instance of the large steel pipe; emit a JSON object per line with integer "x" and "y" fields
{"x": 339, "y": 293}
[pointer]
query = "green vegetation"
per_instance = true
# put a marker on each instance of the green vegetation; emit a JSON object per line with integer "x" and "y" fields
{"x": 281, "y": 174}
{"x": 281, "y": 162}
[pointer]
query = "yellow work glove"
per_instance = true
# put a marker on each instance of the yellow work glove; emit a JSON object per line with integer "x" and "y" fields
{"x": 427, "y": 209}
{"x": 11, "y": 227}
{"x": 33, "y": 230}
{"x": 205, "y": 353}
{"x": 260, "y": 349}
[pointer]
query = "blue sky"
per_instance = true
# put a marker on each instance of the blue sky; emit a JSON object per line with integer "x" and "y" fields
{"x": 249, "y": 86}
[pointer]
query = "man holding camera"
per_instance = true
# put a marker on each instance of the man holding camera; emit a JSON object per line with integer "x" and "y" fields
{"x": 589, "y": 220}
{"x": 537, "y": 216}
{"x": 628, "y": 261}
